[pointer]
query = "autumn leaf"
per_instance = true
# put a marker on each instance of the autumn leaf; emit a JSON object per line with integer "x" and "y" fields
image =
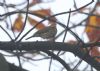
{"x": 92, "y": 22}
{"x": 46, "y": 12}
{"x": 43, "y": 12}
{"x": 18, "y": 24}
{"x": 34, "y": 22}
{"x": 93, "y": 34}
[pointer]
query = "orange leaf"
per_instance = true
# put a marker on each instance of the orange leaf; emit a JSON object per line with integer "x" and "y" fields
{"x": 18, "y": 24}
{"x": 46, "y": 12}
{"x": 43, "y": 12}
{"x": 34, "y": 22}
{"x": 93, "y": 22}
{"x": 93, "y": 33}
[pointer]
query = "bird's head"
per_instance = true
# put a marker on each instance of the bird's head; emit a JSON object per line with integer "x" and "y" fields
{"x": 52, "y": 22}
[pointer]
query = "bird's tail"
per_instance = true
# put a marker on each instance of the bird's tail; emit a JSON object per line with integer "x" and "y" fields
{"x": 29, "y": 37}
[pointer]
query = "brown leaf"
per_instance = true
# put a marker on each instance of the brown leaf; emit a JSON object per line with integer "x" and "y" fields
{"x": 18, "y": 24}
{"x": 92, "y": 21}
{"x": 93, "y": 33}
{"x": 34, "y": 22}
{"x": 43, "y": 12}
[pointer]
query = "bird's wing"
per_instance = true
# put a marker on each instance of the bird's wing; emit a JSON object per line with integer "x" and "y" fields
{"x": 43, "y": 30}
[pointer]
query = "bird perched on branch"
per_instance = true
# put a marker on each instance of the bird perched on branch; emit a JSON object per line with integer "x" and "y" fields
{"x": 46, "y": 33}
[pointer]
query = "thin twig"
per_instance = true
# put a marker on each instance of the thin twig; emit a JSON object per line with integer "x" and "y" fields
{"x": 6, "y": 9}
{"x": 66, "y": 29}
{"x": 24, "y": 22}
{"x": 6, "y": 32}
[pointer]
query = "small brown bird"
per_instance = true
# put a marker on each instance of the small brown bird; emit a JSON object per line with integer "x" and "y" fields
{"x": 46, "y": 33}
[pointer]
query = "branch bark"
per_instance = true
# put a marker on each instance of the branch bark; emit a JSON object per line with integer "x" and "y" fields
{"x": 44, "y": 46}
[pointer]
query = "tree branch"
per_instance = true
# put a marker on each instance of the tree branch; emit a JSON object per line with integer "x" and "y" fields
{"x": 44, "y": 46}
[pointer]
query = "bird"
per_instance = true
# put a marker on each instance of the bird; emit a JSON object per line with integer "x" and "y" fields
{"x": 45, "y": 33}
